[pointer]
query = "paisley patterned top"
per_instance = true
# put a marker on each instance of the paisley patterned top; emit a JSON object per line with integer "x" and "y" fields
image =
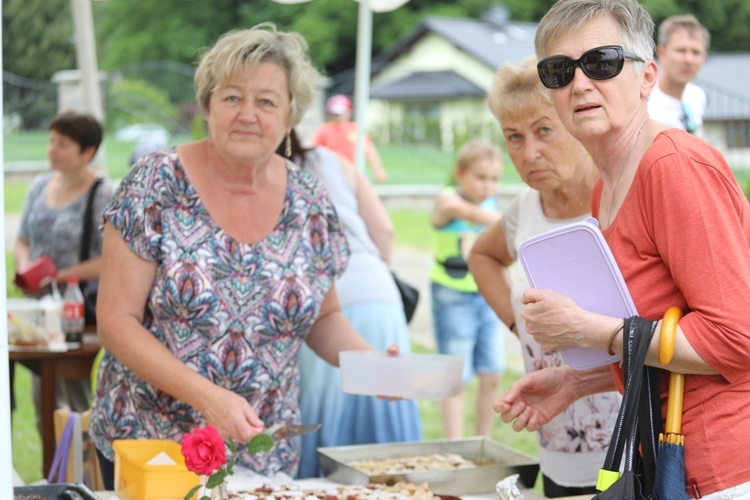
{"x": 235, "y": 312}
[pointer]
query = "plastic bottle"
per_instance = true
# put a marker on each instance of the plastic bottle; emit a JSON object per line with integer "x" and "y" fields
{"x": 52, "y": 307}
{"x": 73, "y": 318}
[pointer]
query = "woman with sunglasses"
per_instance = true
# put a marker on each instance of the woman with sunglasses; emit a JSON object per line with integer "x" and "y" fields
{"x": 678, "y": 225}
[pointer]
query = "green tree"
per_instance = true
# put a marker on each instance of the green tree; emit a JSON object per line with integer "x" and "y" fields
{"x": 133, "y": 101}
{"x": 37, "y": 37}
{"x": 171, "y": 30}
{"x": 727, "y": 20}
{"x": 38, "y": 34}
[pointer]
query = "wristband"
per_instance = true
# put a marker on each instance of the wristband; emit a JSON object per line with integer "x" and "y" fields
{"x": 612, "y": 338}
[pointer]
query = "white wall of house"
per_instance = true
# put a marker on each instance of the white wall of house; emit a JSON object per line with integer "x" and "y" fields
{"x": 434, "y": 53}
{"x": 715, "y": 133}
{"x": 456, "y": 115}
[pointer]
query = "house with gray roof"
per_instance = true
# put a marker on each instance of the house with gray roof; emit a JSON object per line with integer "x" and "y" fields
{"x": 431, "y": 86}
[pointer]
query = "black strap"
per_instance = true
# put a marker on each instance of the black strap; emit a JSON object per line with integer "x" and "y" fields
{"x": 457, "y": 264}
{"x": 639, "y": 420}
{"x": 650, "y": 423}
{"x": 88, "y": 223}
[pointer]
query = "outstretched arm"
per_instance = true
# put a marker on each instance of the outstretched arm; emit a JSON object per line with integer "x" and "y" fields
{"x": 377, "y": 220}
{"x": 373, "y": 159}
{"x": 450, "y": 206}
{"x": 538, "y": 397}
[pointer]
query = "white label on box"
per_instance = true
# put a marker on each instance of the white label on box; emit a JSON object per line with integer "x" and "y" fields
{"x": 161, "y": 459}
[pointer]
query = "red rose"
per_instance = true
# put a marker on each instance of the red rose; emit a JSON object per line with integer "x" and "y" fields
{"x": 204, "y": 450}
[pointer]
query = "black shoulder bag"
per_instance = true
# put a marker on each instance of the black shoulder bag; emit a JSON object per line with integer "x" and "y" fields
{"x": 638, "y": 423}
{"x": 409, "y": 296}
{"x": 89, "y": 292}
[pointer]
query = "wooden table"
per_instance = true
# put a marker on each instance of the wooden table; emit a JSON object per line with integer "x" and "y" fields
{"x": 52, "y": 366}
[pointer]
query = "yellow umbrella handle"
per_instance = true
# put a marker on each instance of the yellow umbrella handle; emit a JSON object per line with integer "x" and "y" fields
{"x": 668, "y": 334}
{"x": 676, "y": 380}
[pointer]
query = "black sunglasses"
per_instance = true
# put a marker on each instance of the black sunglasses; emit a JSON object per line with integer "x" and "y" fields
{"x": 600, "y": 63}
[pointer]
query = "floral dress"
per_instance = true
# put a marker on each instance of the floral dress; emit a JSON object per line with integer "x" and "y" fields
{"x": 237, "y": 313}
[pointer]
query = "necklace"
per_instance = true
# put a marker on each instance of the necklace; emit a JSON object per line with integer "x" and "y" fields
{"x": 624, "y": 168}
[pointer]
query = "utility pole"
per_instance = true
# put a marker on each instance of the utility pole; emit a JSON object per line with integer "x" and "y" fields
{"x": 83, "y": 24}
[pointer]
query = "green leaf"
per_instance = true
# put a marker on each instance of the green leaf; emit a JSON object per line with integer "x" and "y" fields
{"x": 232, "y": 445}
{"x": 192, "y": 492}
{"x": 216, "y": 478}
{"x": 230, "y": 466}
{"x": 205, "y": 497}
{"x": 259, "y": 444}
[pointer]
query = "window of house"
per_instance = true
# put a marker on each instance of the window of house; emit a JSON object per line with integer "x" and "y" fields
{"x": 738, "y": 134}
{"x": 421, "y": 123}
{"x": 422, "y": 110}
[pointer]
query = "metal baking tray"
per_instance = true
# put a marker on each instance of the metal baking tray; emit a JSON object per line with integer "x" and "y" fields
{"x": 494, "y": 461}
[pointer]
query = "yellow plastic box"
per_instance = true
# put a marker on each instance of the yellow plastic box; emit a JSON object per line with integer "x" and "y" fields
{"x": 135, "y": 480}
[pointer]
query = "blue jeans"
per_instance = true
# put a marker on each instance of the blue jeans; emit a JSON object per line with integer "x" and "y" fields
{"x": 466, "y": 326}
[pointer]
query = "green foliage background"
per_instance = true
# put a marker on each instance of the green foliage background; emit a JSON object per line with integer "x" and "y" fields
{"x": 38, "y": 34}
{"x": 153, "y": 104}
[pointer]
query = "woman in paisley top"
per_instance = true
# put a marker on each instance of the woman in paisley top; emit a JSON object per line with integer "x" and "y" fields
{"x": 219, "y": 261}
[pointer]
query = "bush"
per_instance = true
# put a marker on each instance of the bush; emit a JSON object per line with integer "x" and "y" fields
{"x": 136, "y": 101}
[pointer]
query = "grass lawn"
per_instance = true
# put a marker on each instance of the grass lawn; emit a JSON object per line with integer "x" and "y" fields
{"x": 32, "y": 146}
{"x": 27, "y": 445}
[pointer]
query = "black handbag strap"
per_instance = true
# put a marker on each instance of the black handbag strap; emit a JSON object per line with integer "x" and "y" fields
{"x": 650, "y": 423}
{"x": 639, "y": 410}
{"x": 88, "y": 223}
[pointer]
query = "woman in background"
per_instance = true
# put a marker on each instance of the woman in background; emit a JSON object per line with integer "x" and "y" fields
{"x": 52, "y": 223}
{"x": 370, "y": 301}
{"x": 560, "y": 176}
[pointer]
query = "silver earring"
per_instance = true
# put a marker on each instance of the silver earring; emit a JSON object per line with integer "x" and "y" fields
{"x": 288, "y": 146}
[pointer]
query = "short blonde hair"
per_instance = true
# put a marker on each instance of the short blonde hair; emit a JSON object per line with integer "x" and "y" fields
{"x": 477, "y": 149}
{"x": 238, "y": 50}
{"x": 517, "y": 91}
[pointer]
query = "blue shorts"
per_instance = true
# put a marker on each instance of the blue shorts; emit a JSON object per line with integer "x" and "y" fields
{"x": 466, "y": 326}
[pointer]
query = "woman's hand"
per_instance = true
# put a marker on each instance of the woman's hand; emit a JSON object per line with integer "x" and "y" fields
{"x": 232, "y": 416}
{"x": 556, "y": 322}
{"x": 391, "y": 350}
{"x": 536, "y": 398}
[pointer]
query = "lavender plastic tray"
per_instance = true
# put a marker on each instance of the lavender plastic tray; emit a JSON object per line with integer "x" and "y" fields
{"x": 575, "y": 261}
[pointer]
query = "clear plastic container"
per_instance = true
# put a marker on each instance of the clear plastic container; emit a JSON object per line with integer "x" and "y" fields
{"x": 31, "y": 310}
{"x": 409, "y": 376}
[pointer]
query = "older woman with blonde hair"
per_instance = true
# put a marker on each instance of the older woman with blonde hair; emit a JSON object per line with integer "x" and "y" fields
{"x": 560, "y": 176}
{"x": 219, "y": 261}
{"x": 678, "y": 226}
